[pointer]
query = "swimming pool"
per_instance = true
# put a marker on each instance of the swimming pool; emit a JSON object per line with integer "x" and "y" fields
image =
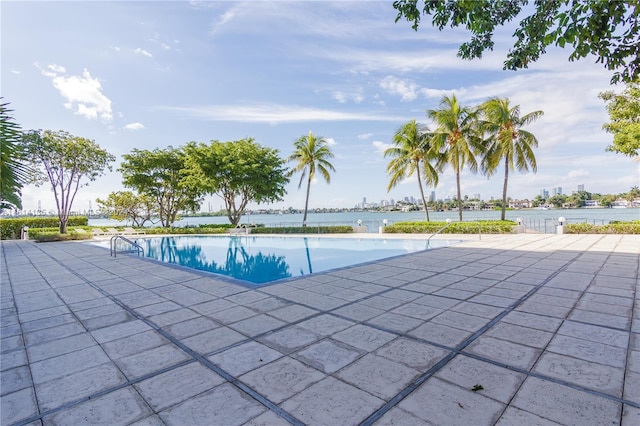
{"x": 261, "y": 260}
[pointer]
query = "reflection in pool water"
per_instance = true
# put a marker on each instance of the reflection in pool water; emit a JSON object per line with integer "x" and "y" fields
{"x": 261, "y": 260}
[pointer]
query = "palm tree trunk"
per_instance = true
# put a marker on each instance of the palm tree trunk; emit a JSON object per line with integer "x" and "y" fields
{"x": 306, "y": 203}
{"x": 504, "y": 188}
{"x": 424, "y": 201}
{"x": 459, "y": 195}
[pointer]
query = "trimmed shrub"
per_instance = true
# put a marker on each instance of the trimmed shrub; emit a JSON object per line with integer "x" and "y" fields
{"x": 42, "y": 235}
{"x": 11, "y": 227}
{"x": 632, "y": 227}
{"x": 303, "y": 230}
{"x": 486, "y": 227}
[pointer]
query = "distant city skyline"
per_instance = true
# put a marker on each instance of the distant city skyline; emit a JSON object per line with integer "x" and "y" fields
{"x": 148, "y": 75}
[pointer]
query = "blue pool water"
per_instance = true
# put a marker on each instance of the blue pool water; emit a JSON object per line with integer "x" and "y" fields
{"x": 261, "y": 260}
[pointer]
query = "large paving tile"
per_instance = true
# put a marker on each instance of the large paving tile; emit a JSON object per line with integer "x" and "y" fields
{"x": 17, "y": 406}
{"x": 595, "y": 333}
{"x": 118, "y": 331}
{"x": 505, "y": 352}
{"x": 59, "y": 347}
{"x": 399, "y": 417}
{"x": 565, "y": 405}
{"x": 177, "y": 385}
{"x": 213, "y": 340}
{"x": 56, "y": 392}
{"x": 497, "y": 382}
{"x": 257, "y": 325}
{"x": 417, "y": 355}
{"x": 15, "y": 379}
{"x": 325, "y": 325}
{"x": 515, "y": 416}
{"x": 441, "y": 334}
{"x": 281, "y": 379}
{"x": 364, "y": 337}
{"x": 395, "y": 322}
{"x": 441, "y": 403}
{"x": 134, "y": 344}
{"x": 123, "y": 406}
{"x": 589, "y": 351}
{"x": 461, "y": 321}
{"x": 146, "y": 362}
{"x": 289, "y": 339}
{"x": 379, "y": 376}
{"x": 332, "y": 402}
{"x": 522, "y": 335}
{"x": 328, "y": 355}
{"x": 244, "y": 357}
{"x": 223, "y": 405}
{"x": 63, "y": 365}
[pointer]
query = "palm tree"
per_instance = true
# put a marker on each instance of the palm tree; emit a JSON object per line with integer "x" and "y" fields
{"x": 507, "y": 140}
{"x": 456, "y": 137}
{"x": 311, "y": 153}
{"x": 14, "y": 170}
{"x": 411, "y": 147}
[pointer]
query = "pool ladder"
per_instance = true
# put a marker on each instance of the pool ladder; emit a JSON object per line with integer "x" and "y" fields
{"x": 134, "y": 247}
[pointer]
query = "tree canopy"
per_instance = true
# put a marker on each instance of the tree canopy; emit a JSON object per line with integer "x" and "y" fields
{"x": 508, "y": 141}
{"x": 239, "y": 172}
{"x": 14, "y": 172}
{"x": 624, "y": 113}
{"x": 311, "y": 153}
{"x": 162, "y": 174}
{"x": 66, "y": 162}
{"x": 411, "y": 148}
{"x": 606, "y": 29}
{"x": 125, "y": 205}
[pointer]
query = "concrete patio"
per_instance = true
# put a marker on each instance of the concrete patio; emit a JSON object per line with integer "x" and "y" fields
{"x": 510, "y": 330}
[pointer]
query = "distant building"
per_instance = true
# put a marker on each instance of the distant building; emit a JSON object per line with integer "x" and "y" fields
{"x": 557, "y": 190}
{"x": 476, "y": 197}
{"x": 580, "y": 188}
{"x": 544, "y": 193}
{"x": 432, "y": 197}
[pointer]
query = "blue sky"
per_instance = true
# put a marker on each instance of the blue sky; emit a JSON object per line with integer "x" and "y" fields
{"x": 153, "y": 74}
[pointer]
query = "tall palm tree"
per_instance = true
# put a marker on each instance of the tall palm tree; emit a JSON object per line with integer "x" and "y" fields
{"x": 14, "y": 170}
{"x": 311, "y": 154}
{"x": 507, "y": 140}
{"x": 411, "y": 148}
{"x": 456, "y": 137}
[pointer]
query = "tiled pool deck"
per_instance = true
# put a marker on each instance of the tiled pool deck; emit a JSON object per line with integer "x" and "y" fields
{"x": 546, "y": 328}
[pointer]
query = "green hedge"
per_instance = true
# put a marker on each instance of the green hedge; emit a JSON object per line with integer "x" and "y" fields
{"x": 486, "y": 227}
{"x": 42, "y": 235}
{"x": 10, "y": 227}
{"x": 303, "y": 230}
{"x": 632, "y": 227}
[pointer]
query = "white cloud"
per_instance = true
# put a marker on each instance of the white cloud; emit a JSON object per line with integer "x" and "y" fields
{"x": 143, "y": 52}
{"x": 165, "y": 46}
{"x": 330, "y": 141}
{"x": 578, "y": 173}
{"x": 275, "y": 113}
{"x": 16, "y": 72}
{"x": 116, "y": 48}
{"x": 82, "y": 93}
{"x": 380, "y": 147}
{"x": 343, "y": 97}
{"x": 364, "y": 136}
{"x": 56, "y": 68}
{"x": 405, "y": 88}
{"x": 134, "y": 126}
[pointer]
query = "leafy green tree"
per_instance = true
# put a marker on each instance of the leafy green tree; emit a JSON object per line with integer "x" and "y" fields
{"x": 125, "y": 205}
{"x": 606, "y": 29}
{"x": 557, "y": 200}
{"x": 508, "y": 141}
{"x": 624, "y": 113}
{"x": 579, "y": 198}
{"x": 14, "y": 171}
{"x": 411, "y": 148}
{"x": 239, "y": 172}
{"x": 311, "y": 153}
{"x": 456, "y": 138}
{"x": 66, "y": 162}
{"x": 633, "y": 193}
{"x": 163, "y": 175}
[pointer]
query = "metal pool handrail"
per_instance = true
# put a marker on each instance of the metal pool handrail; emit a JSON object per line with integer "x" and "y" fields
{"x": 113, "y": 245}
{"x": 438, "y": 231}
